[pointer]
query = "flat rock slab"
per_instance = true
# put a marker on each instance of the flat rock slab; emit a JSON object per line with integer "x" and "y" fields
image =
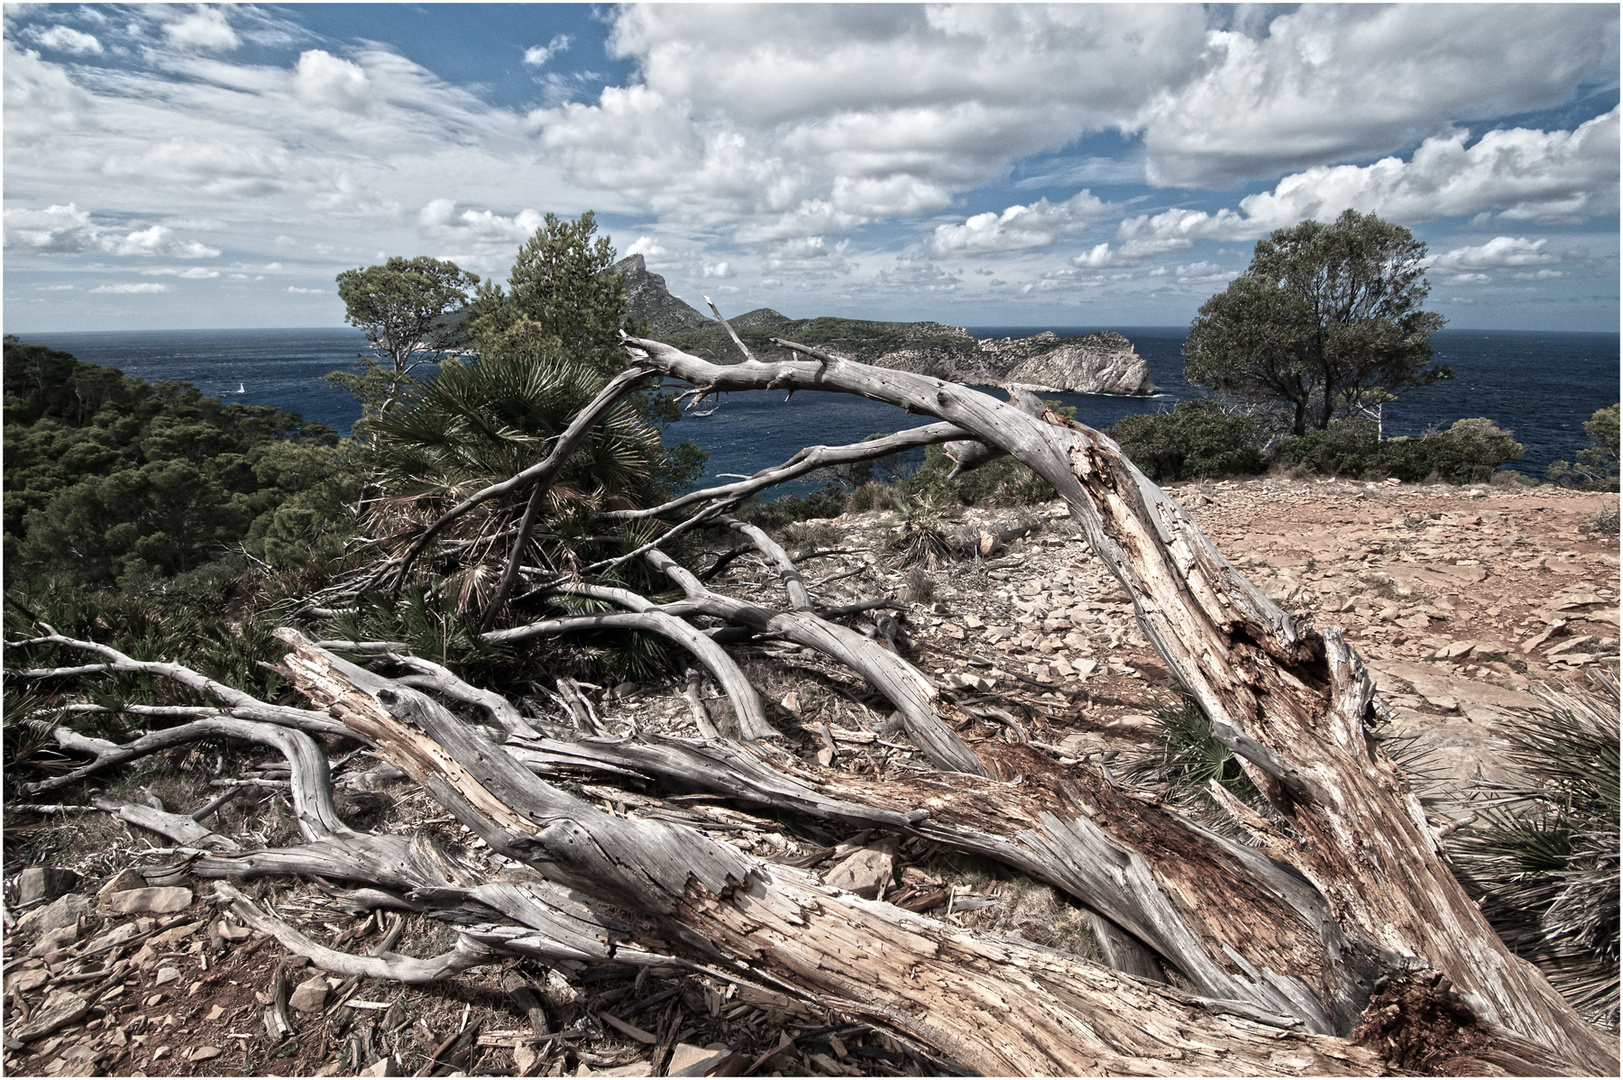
{"x": 309, "y": 996}
{"x": 1431, "y": 682}
{"x": 38, "y": 883}
{"x": 61, "y": 1008}
{"x": 63, "y": 911}
{"x": 864, "y": 872}
{"x": 161, "y": 899}
{"x": 123, "y": 881}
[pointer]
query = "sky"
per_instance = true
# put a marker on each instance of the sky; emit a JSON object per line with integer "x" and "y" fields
{"x": 199, "y": 166}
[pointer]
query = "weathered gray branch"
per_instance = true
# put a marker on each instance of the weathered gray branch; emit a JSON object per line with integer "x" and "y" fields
{"x": 541, "y": 473}
{"x": 1289, "y": 701}
{"x": 898, "y": 681}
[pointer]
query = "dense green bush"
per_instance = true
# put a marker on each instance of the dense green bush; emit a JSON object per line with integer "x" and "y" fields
{"x": 1348, "y": 447}
{"x": 1597, "y": 466}
{"x": 110, "y": 478}
{"x": 1198, "y": 438}
{"x": 1470, "y": 452}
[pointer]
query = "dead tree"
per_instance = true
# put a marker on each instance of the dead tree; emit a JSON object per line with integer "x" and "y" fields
{"x": 1341, "y": 898}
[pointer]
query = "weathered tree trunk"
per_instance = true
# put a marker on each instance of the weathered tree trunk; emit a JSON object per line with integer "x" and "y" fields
{"x": 1290, "y": 701}
{"x": 994, "y": 1006}
{"x": 1285, "y": 942}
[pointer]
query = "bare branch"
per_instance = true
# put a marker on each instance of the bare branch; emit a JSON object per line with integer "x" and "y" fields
{"x": 541, "y": 473}
{"x": 467, "y": 953}
{"x": 805, "y": 461}
{"x": 743, "y": 348}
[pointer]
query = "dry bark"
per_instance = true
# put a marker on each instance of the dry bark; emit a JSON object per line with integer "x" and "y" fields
{"x": 994, "y": 1006}
{"x": 1286, "y": 942}
{"x": 1291, "y": 701}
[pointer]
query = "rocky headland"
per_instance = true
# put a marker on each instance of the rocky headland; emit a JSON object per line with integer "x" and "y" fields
{"x": 1101, "y": 363}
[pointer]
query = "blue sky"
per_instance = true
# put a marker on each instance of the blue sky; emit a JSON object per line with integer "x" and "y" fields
{"x": 200, "y": 166}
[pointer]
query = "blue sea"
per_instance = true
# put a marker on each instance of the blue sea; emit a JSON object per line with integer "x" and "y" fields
{"x": 1543, "y": 386}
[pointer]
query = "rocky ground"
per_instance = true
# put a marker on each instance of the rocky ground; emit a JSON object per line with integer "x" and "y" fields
{"x": 1463, "y": 601}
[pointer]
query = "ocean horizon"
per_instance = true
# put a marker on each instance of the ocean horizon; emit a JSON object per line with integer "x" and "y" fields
{"x": 1504, "y": 375}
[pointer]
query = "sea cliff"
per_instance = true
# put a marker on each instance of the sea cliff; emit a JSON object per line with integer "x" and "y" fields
{"x": 1101, "y": 363}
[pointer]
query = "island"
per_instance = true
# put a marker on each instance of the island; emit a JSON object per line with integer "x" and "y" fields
{"x": 1099, "y": 363}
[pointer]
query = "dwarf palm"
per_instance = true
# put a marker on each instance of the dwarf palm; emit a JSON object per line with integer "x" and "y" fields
{"x": 483, "y": 420}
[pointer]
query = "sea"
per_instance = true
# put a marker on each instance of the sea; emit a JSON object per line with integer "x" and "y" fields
{"x": 1541, "y": 385}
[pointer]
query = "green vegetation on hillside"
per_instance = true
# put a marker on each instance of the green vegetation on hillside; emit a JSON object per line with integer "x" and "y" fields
{"x": 113, "y": 480}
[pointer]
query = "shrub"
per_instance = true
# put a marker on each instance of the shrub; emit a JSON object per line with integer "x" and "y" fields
{"x": 1196, "y": 439}
{"x": 1597, "y": 465}
{"x": 1348, "y": 447}
{"x": 1470, "y": 452}
{"x": 1542, "y": 859}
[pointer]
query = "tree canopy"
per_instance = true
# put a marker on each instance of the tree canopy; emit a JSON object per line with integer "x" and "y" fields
{"x": 110, "y": 478}
{"x": 408, "y": 308}
{"x": 558, "y": 297}
{"x": 1324, "y": 317}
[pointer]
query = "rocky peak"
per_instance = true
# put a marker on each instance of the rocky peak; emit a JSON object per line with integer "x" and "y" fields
{"x": 648, "y": 298}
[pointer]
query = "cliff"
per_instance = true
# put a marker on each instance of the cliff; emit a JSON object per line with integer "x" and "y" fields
{"x": 1102, "y": 363}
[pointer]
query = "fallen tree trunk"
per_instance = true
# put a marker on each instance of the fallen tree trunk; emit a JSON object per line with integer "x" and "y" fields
{"x": 996, "y": 1007}
{"x": 1306, "y": 952}
{"x": 1290, "y": 701}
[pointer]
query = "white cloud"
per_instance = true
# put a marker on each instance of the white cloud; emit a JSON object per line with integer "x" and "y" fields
{"x": 1499, "y": 253}
{"x": 205, "y": 28}
{"x": 327, "y": 80}
{"x": 645, "y": 246}
{"x": 1036, "y": 225}
{"x": 1517, "y": 174}
{"x": 307, "y": 292}
{"x": 1525, "y": 175}
{"x": 721, "y": 269}
{"x": 161, "y": 240}
{"x": 1339, "y": 82}
{"x": 132, "y": 289}
{"x": 538, "y": 55}
{"x": 54, "y": 230}
{"x": 66, "y": 39}
{"x": 917, "y": 275}
{"x": 781, "y": 121}
{"x": 39, "y": 97}
{"x": 192, "y": 273}
{"x": 67, "y": 230}
{"x": 439, "y": 218}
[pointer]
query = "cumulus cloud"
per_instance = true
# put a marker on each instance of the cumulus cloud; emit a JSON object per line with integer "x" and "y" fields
{"x": 54, "y": 230}
{"x": 204, "y": 28}
{"x": 538, "y": 55}
{"x": 1339, "y": 82}
{"x": 721, "y": 269}
{"x": 161, "y": 240}
{"x": 782, "y": 121}
{"x": 1036, "y": 225}
{"x": 645, "y": 246}
{"x": 775, "y": 121}
{"x": 320, "y": 78}
{"x": 132, "y": 289}
{"x": 66, "y": 39}
{"x": 1498, "y": 253}
{"x": 307, "y": 292}
{"x": 39, "y": 96}
{"x": 441, "y": 219}
{"x": 68, "y": 230}
{"x": 1523, "y": 174}
{"x": 1517, "y": 174}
